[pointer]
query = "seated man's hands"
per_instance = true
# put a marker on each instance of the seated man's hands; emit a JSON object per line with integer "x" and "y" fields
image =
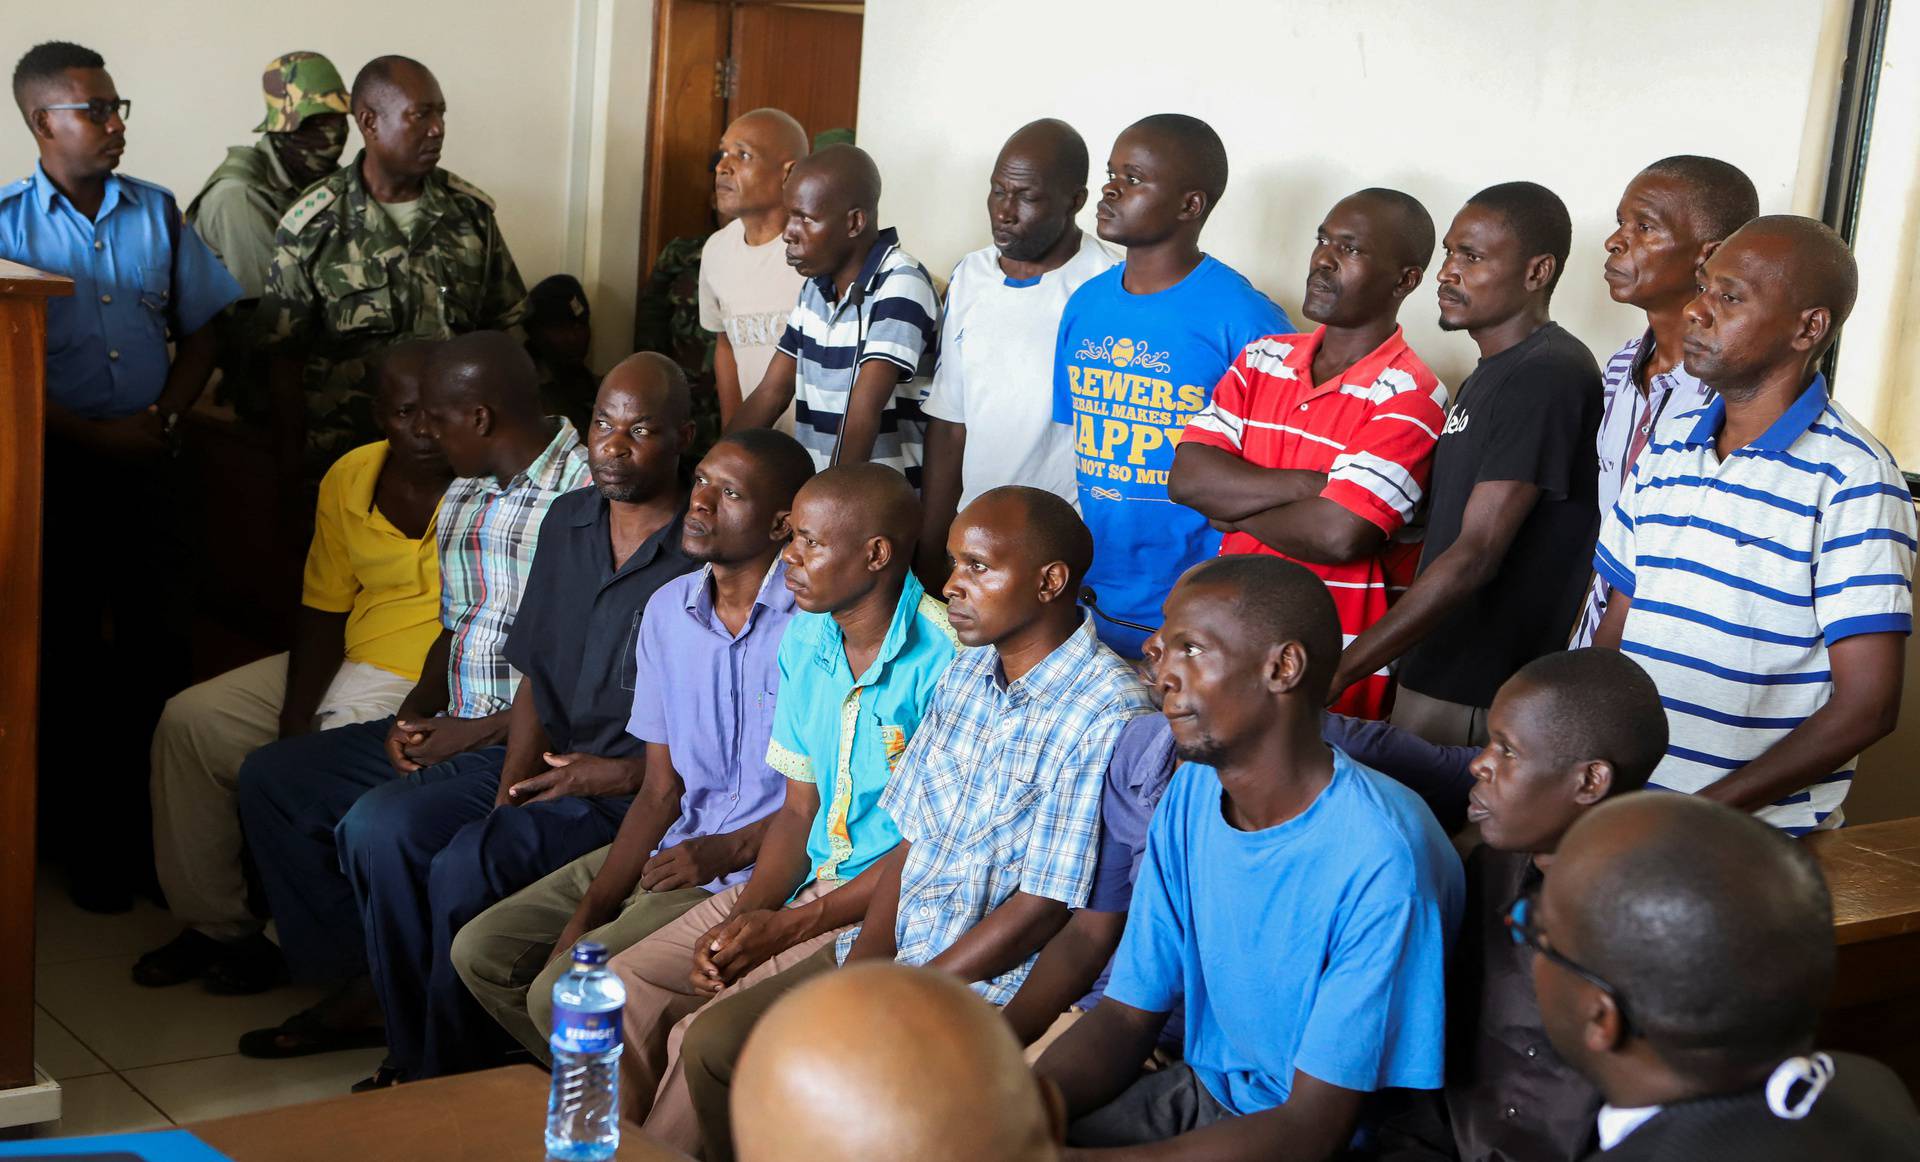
{"x": 742, "y": 943}
{"x": 413, "y": 743}
{"x": 688, "y": 864}
{"x": 580, "y": 776}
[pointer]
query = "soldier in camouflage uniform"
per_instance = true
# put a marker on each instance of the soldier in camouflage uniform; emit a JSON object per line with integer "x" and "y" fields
{"x": 239, "y": 208}
{"x": 390, "y": 248}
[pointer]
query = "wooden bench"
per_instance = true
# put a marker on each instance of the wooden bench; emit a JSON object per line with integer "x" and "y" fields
{"x": 1873, "y": 872}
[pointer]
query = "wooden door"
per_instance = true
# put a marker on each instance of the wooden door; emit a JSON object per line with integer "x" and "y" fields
{"x": 803, "y": 60}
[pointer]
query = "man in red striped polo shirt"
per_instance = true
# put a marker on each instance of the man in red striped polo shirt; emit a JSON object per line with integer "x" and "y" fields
{"x": 1317, "y": 447}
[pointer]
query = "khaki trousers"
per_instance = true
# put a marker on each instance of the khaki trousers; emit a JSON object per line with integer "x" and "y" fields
{"x": 1440, "y": 722}
{"x": 503, "y": 953}
{"x": 203, "y": 735}
{"x": 661, "y": 1004}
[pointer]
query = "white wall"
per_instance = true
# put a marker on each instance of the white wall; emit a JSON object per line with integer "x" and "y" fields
{"x": 1317, "y": 98}
{"x": 519, "y": 111}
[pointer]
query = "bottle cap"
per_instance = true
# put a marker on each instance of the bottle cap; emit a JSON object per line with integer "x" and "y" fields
{"x": 589, "y": 952}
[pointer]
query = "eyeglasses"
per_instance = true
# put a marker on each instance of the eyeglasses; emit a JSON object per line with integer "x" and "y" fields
{"x": 1524, "y": 933}
{"x": 99, "y": 112}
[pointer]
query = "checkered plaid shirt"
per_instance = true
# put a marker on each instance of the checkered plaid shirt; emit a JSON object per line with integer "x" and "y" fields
{"x": 999, "y": 792}
{"x": 488, "y": 533}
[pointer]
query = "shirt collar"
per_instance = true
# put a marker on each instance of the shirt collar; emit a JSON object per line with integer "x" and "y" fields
{"x": 832, "y": 652}
{"x": 433, "y": 201}
{"x": 1068, "y": 659}
{"x": 884, "y": 244}
{"x": 1616, "y": 1124}
{"x": 1364, "y": 371}
{"x": 551, "y": 467}
{"x": 44, "y": 192}
{"x": 773, "y": 594}
{"x": 1780, "y": 435}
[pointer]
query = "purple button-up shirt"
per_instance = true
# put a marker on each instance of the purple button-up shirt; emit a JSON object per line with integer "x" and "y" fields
{"x": 708, "y": 696}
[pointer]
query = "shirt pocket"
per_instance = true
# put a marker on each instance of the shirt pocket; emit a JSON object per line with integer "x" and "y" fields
{"x": 360, "y": 302}
{"x": 458, "y": 286}
{"x": 156, "y": 294}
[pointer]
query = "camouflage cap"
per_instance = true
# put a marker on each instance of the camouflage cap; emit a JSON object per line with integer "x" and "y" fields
{"x": 297, "y": 86}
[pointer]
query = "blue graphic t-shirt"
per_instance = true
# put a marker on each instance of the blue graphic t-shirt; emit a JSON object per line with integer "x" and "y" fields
{"x": 1129, "y": 371}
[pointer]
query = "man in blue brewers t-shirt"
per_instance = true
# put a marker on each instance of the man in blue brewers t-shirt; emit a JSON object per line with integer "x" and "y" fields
{"x": 1140, "y": 350}
{"x": 1299, "y": 903}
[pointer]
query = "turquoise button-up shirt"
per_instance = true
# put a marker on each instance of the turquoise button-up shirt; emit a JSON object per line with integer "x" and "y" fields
{"x": 846, "y": 734}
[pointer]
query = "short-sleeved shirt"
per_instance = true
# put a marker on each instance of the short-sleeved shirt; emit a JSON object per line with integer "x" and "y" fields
{"x": 847, "y": 735}
{"x": 488, "y": 532}
{"x": 107, "y": 342}
{"x": 576, "y": 638}
{"x": 1129, "y": 372}
{"x": 889, "y": 313}
{"x": 1627, "y": 419}
{"x": 1316, "y": 945}
{"x": 707, "y": 695}
{"x": 996, "y": 370}
{"x": 1137, "y": 777}
{"x": 1527, "y": 414}
{"x": 1000, "y": 791}
{"x": 359, "y": 564}
{"x": 749, "y": 293}
{"x": 1744, "y": 572}
{"x": 1370, "y": 430}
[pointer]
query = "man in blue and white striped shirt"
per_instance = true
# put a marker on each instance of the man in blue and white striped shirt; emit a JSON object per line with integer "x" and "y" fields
{"x": 1762, "y": 553}
{"x": 853, "y": 354}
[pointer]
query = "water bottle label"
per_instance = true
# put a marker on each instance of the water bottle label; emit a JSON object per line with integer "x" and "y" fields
{"x": 575, "y": 1031}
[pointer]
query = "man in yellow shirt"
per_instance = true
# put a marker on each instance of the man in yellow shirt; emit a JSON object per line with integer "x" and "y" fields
{"x": 369, "y": 610}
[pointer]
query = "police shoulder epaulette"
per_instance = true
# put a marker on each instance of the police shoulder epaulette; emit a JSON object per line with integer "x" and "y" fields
{"x": 302, "y": 213}
{"x": 462, "y": 186}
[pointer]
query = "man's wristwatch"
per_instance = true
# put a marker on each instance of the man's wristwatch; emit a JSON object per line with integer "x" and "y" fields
{"x": 170, "y": 431}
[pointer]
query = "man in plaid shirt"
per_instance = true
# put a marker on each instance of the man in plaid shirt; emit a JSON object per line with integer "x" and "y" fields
{"x": 998, "y": 795}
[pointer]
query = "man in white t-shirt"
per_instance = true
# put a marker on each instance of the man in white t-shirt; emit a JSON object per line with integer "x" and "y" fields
{"x": 1002, "y": 319}
{"x": 747, "y": 290}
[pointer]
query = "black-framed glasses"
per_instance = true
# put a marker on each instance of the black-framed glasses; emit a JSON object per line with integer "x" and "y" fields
{"x": 1520, "y": 927}
{"x": 99, "y": 112}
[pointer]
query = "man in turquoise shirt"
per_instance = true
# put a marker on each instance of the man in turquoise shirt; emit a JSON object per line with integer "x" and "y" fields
{"x": 838, "y": 738}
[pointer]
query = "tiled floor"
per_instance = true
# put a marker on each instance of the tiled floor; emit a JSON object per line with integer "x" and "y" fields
{"x": 131, "y": 1058}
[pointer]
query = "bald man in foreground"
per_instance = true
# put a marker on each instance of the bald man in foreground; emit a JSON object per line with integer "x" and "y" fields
{"x": 858, "y": 668}
{"x": 850, "y": 359}
{"x": 747, "y": 288}
{"x": 480, "y": 403}
{"x": 922, "y": 1071}
{"x": 1682, "y": 956}
{"x": 1762, "y": 555}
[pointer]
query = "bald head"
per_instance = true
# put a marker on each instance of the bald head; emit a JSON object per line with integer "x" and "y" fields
{"x": 1046, "y": 526}
{"x": 658, "y": 384}
{"x": 874, "y": 501}
{"x": 1815, "y": 261}
{"x": 403, "y": 366}
{"x": 1715, "y": 928}
{"x": 934, "y": 1072}
{"x": 487, "y": 369}
{"x": 1404, "y": 223}
{"x": 1051, "y": 148}
{"x": 1198, "y": 156}
{"x": 846, "y": 175}
{"x": 775, "y": 131}
{"x": 384, "y": 78}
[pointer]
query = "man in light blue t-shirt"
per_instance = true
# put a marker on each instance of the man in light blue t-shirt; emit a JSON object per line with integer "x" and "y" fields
{"x": 1299, "y": 903}
{"x": 1140, "y": 349}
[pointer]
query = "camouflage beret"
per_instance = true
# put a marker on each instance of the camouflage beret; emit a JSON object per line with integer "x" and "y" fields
{"x": 297, "y": 86}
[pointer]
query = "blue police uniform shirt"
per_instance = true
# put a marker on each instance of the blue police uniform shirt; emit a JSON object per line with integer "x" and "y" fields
{"x": 1129, "y": 372}
{"x": 107, "y": 344}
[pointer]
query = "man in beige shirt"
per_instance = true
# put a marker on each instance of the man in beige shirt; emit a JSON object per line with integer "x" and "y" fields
{"x": 747, "y": 290}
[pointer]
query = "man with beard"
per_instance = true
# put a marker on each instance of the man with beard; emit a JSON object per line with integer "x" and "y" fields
{"x": 1512, "y": 513}
{"x": 480, "y": 404}
{"x": 1317, "y": 447}
{"x": 849, "y": 360}
{"x": 1338, "y": 991}
{"x": 390, "y": 247}
{"x": 369, "y": 612}
{"x": 424, "y": 857}
{"x": 114, "y": 398}
{"x": 301, "y": 140}
{"x": 999, "y": 324}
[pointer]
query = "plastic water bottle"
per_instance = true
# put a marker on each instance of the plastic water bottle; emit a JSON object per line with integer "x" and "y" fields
{"x": 583, "y": 1113}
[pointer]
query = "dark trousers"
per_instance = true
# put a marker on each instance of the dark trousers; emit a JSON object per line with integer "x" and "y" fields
{"x": 293, "y": 795}
{"x": 113, "y": 649}
{"x": 426, "y": 856}
{"x": 1159, "y": 1105}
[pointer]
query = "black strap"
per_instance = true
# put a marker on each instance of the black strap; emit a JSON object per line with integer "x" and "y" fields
{"x": 173, "y": 268}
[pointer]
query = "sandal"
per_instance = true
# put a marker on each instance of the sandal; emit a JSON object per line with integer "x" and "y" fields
{"x": 178, "y": 961}
{"x": 308, "y": 1032}
{"x": 385, "y": 1077}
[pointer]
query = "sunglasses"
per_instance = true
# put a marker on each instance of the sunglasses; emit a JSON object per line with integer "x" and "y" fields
{"x": 1523, "y": 932}
{"x": 99, "y": 112}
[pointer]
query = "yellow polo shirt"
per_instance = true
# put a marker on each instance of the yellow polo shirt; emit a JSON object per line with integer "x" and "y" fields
{"x": 387, "y": 583}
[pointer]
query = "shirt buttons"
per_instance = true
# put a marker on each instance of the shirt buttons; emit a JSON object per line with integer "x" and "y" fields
{"x": 1532, "y": 1051}
{"x": 99, "y": 245}
{"x": 1510, "y": 1113}
{"x": 106, "y": 298}
{"x": 113, "y": 355}
{"x": 1303, "y": 407}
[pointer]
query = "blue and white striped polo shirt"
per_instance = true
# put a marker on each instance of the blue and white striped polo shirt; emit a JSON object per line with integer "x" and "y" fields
{"x": 894, "y": 317}
{"x": 1744, "y": 572}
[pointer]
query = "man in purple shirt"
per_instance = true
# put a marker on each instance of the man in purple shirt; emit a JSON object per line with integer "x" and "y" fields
{"x": 1673, "y": 214}
{"x": 706, "y": 680}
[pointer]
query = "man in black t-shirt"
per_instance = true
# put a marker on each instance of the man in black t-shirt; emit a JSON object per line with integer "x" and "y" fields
{"x": 1512, "y": 517}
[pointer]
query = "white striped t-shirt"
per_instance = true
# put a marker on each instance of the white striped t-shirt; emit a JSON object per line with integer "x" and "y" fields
{"x": 1744, "y": 572}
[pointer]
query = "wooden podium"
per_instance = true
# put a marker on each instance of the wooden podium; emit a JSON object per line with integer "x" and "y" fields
{"x": 23, "y": 345}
